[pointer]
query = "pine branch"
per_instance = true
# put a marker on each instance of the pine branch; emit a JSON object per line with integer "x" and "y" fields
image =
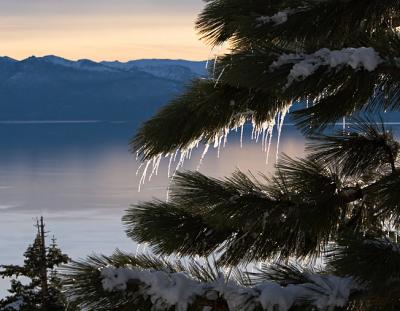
{"x": 307, "y": 180}
{"x": 133, "y": 286}
{"x": 8, "y": 271}
{"x": 358, "y": 255}
{"x": 296, "y": 213}
{"x": 192, "y": 235}
{"x": 283, "y": 273}
{"x": 240, "y": 218}
{"x": 374, "y": 260}
{"x": 82, "y": 282}
{"x": 211, "y": 108}
{"x": 203, "y": 113}
{"x": 385, "y": 196}
{"x": 282, "y": 52}
{"x": 365, "y": 147}
{"x": 303, "y": 25}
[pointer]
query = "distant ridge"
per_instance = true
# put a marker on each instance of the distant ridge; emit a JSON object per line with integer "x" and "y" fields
{"x": 196, "y": 67}
{"x": 55, "y": 88}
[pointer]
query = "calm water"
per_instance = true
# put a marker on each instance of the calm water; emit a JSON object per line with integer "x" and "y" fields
{"x": 81, "y": 177}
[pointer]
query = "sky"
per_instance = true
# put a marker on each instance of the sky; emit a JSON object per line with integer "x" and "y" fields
{"x": 101, "y": 29}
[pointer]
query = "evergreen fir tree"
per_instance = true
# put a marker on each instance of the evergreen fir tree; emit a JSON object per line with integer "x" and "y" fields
{"x": 35, "y": 285}
{"x": 339, "y": 205}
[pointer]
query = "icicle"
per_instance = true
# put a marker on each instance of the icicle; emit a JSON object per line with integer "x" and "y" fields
{"x": 203, "y": 156}
{"x": 215, "y": 65}
{"x": 138, "y": 152}
{"x": 190, "y": 154}
{"x": 219, "y": 77}
{"x": 209, "y": 56}
{"x": 263, "y": 131}
{"x": 152, "y": 167}
{"x": 156, "y": 163}
{"x": 143, "y": 178}
{"x": 226, "y": 135}
{"x": 216, "y": 140}
{"x": 186, "y": 153}
{"x": 257, "y": 132}
{"x": 270, "y": 132}
{"x": 254, "y": 129}
{"x": 219, "y": 145}
{"x": 281, "y": 119}
{"x": 181, "y": 161}
{"x": 263, "y": 139}
{"x": 279, "y": 130}
{"x": 140, "y": 166}
{"x": 176, "y": 154}
{"x": 241, "y": 136}
{"x": 177, "y": 167}
{"x": 171, "y": 157}
{"x": 169, "y": 188}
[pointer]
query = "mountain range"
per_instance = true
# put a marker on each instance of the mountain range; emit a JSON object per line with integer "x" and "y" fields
{"x": 54, "y": 88}
{"x": 58, "y": 89}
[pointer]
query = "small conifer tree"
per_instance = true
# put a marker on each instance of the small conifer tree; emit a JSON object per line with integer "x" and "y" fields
{"x": 35, "y": 285}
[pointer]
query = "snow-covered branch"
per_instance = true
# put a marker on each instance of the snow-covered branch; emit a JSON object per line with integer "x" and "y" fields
{"x": 277, "y": 19}
{"x": 305, "y": 65}
{"x": 166, "y": 290}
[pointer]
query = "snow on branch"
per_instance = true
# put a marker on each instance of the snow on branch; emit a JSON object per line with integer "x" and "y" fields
{"x": 276, "y": 19}
{"x": 280, "y": 17}
{"x": 305, "y": 65}
{"x": 167, "y": 290}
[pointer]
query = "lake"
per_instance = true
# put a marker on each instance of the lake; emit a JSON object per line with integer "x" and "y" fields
{"x": 81, "y": 177}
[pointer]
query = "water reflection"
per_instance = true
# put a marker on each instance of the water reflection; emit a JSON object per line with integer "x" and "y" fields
{"x": 87, "y": 168}
{"x": 81, "y": 177}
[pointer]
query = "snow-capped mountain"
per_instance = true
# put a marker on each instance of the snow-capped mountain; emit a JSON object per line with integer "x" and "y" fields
{"x": 84, "y": 64}
{"x": 54, "y": 88}
{"x": 163, "y": 68}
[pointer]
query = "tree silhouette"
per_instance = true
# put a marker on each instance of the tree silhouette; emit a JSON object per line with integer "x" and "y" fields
{"x": 36, "y": 285}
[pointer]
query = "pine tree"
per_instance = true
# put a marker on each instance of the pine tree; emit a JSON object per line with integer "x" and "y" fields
{"x": 36, "y": 285}
{"x": 338, "y": 206}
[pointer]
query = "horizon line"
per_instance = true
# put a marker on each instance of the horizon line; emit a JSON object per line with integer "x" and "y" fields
{"x": 99, "y": 61}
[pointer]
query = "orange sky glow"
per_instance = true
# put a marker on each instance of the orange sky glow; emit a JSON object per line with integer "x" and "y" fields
{"x": 101, "y": 32}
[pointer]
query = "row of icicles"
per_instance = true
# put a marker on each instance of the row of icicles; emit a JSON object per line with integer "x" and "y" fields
{"x": 263, "y": 132}
{"x": 260, "y": 132}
